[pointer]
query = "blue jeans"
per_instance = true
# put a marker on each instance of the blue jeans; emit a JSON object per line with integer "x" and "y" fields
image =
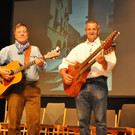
{"x": 92, "y": 96}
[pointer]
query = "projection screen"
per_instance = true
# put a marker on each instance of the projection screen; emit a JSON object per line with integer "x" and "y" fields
{"x": 61, "y": 23}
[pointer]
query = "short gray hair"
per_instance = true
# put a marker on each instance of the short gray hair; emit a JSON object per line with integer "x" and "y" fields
{"x": 92, "y": 21}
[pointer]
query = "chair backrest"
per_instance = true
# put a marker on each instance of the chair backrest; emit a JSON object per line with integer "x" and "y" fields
{"x": 127, "y": 116}
{"x": 92, "y": 120}
{"x": 6, "y": 113}
{"x": 42, "y": 111}
{"x": 71, "y": 118}
{"x": 23, "y": 120}
{"x": 54, "y": 114}
{"x": 111, "y": 118}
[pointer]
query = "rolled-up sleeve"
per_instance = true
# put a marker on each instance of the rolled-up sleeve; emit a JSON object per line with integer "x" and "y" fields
{"x": 111, "y": 60}
{"x": 43, "y": 67}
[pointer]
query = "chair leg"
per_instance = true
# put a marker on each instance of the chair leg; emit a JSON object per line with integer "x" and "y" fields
{"x": 58, "y": 130}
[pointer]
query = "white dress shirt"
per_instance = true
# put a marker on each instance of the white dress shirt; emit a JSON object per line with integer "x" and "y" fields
{"x": 83, "y": 51}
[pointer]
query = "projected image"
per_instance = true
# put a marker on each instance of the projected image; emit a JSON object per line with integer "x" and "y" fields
{"x": 61, "y": 23}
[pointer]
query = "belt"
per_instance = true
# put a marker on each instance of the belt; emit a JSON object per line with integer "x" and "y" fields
{"x": 30, "y": 82}
{"x": 96, "y": 78}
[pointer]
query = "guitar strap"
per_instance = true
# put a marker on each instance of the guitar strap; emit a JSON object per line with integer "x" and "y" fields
{"x": 27, "y": 55}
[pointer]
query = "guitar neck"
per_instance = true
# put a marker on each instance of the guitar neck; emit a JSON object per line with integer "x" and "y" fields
{"x": 25, "y": 66}
{"x": 91, "y": 56}
{"x": 49, "y": 55}
{"x": 87, "y": 67}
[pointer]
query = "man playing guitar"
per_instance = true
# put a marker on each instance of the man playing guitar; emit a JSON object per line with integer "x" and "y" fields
{"x": 93, "y": 93}
{"x": 26, "y": 94}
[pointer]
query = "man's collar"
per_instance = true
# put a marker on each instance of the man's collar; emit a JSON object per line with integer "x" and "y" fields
{"x": 97, "y": 41}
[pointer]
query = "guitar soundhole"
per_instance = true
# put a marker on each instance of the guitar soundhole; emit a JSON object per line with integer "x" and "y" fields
{"x": 6, "y": 82}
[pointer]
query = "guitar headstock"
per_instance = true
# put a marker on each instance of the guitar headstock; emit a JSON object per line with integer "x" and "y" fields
{"x": 53, "y": 54}
{"x": 110, "y": 39}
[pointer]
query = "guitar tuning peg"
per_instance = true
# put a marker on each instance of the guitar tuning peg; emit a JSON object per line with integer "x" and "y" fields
{"x": 114, "y": 45}
{"x": 57, "y": 48}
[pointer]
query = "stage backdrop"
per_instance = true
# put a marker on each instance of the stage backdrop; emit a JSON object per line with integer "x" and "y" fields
{"x": 61, "y": 23}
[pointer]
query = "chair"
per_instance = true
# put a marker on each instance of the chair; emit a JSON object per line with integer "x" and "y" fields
{"x": 23, "y": 124}
{"x": 53, "y": 119}
{"x": 92, "y": 124}
{"x": 4, "y": 125}
{"x": 111, "y": 120}
{"x": 126, "y": 121}
{"x": 71, "y": 123}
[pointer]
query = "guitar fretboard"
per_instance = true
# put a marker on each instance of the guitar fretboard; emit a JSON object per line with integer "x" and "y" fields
{"x": 25, "y": 66}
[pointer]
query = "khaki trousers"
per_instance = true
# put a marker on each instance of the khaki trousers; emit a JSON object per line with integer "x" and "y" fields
{"x": 28, "y": 96}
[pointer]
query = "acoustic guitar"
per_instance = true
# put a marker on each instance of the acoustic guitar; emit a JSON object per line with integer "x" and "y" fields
{"x": 81, "y": 70}
{"x": 16, "y": 70}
